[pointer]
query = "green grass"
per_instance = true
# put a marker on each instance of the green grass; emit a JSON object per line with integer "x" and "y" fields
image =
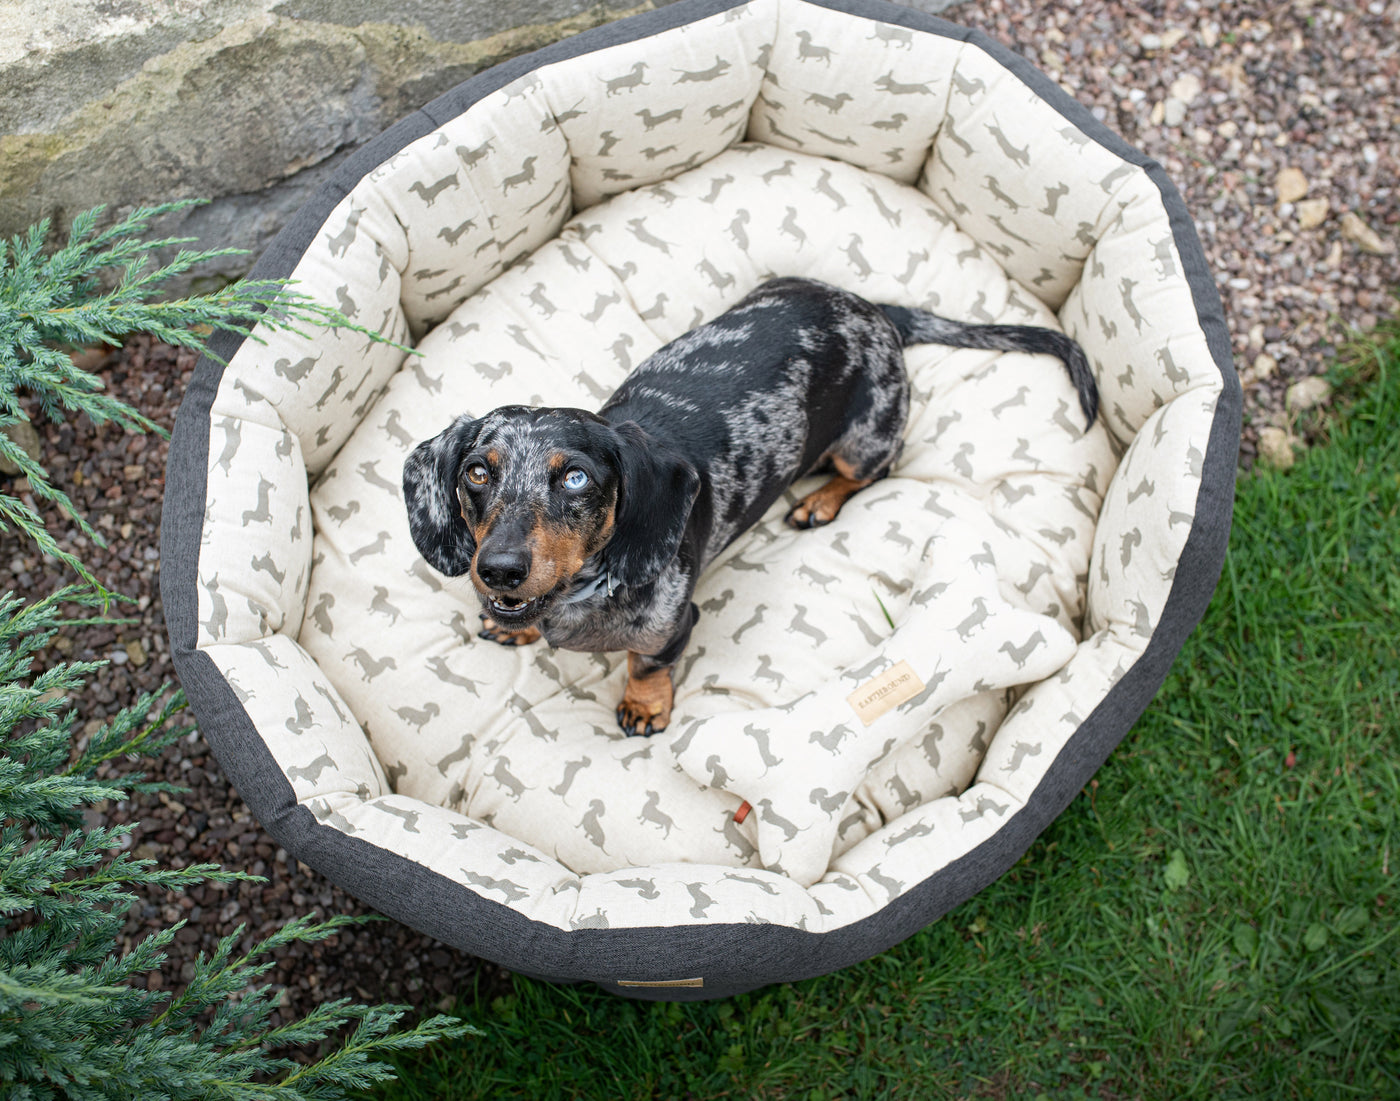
{"x": 1214, "y": 917}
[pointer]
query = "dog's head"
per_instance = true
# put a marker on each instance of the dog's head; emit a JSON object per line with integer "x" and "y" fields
{"x": 522, "y": 498}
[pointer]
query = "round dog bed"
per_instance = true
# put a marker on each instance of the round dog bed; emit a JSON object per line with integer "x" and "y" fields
{"x": 873, "y": 720}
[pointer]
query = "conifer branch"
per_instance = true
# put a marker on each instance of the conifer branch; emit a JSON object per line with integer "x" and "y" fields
{"x": 76, "y": 1020}
{"x": 52, "y": 305}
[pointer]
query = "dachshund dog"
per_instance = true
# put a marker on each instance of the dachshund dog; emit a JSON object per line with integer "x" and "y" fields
{"x": 591, "y": 529}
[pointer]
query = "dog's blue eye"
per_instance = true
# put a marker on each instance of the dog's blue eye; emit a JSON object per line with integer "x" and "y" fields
{"x": 575, "y": 479}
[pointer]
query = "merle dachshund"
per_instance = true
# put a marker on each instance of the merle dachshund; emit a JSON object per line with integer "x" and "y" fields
{"x": 590, "y": 529}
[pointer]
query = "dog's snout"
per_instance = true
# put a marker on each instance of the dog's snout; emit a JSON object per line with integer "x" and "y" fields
{"x": 504, "y": 568}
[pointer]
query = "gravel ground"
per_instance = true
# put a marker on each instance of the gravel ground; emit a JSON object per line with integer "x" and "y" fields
{"x": 1277, "y": 121}
{"x": 1279, "y": 124}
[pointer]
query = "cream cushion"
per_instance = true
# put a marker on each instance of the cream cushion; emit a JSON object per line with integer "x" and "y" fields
{"x": 525, "y": 739}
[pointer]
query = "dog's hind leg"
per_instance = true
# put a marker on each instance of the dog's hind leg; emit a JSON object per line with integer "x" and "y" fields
{"x": 872, "y": 404}
{"x": 822, "y": 504}
{"x": 865, "y": 451}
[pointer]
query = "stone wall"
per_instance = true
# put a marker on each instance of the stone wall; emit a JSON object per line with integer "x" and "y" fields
{"x": 247, "y": 103}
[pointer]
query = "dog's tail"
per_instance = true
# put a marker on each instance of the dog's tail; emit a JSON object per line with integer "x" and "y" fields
{"x": 922, "y": 327}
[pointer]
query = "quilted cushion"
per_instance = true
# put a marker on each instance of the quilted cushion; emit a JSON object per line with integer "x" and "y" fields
{"x": 797, "y": 763}
{"x": 525, "y": 738}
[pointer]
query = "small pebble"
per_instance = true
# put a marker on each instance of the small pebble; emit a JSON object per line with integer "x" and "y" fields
{"x": 1290, "y": 185}
{"x": 1186, "y": 88}
{"x": 1365, "y": 238}
{"x": 1312, "y": 213}
{"x": 1276, "y": 448}
{"x": 1307, "y": 393}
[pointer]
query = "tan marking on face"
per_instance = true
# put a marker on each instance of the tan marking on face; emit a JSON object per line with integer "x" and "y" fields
{"x": 481, "y": 528}
{"x": 556, "y": 462}
{"x": 556, "y": 554}
{"x": 605, "y": 530}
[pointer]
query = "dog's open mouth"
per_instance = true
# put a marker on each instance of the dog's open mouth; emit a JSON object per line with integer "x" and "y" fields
{"x": 514, "y": 611}
{"x": 510, "y": 610}
{"x": 511, "y": 605}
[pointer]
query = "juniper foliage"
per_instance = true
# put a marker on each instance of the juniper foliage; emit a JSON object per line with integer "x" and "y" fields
{"x": 52, "y": 303}
{"x": 72, "y": 1023}
{"x": 75, "y": 1019}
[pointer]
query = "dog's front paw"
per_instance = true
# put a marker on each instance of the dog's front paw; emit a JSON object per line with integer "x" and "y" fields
{"x": 636, "y": 721}
{"x": 493, "y": 631}
{"x": 646, "y": 704}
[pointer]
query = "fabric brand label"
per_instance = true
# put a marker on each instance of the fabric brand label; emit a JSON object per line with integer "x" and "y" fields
{"x": 891, "y": 688}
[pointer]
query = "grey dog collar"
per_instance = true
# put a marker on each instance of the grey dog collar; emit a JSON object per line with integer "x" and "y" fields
{"x": 603, "y": 580}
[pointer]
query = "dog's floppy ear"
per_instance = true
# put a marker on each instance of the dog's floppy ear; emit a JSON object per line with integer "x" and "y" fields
{"x": 430, "y": 492}
{"x": 653, "y": 504}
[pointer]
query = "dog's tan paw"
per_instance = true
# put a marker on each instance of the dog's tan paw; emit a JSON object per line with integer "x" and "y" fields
{"x": 494, "y": 632}
{"x": 635, "y": 717}
{"x": 821, "y": 505}
{"x": 646, "y": 703}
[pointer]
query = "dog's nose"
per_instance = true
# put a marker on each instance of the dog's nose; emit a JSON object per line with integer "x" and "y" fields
{"x": 504, "y": 569}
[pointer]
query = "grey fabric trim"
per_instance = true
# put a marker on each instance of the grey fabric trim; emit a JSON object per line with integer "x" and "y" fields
{"x": 731, "y": 957}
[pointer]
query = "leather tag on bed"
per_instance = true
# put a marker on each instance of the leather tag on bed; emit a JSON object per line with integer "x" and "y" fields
{"x": 896, "y": 685}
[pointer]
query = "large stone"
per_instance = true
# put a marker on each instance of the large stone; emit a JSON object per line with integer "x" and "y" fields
{"x": 249, "y": 103}
{"x": 24, "y": 436}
